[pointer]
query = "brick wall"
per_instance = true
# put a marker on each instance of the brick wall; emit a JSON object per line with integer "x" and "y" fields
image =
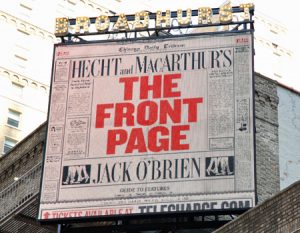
{"x": 279, "y": 214}
{"x": 267, "y": 150}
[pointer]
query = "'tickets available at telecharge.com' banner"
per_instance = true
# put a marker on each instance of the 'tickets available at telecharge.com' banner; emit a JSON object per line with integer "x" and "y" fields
{"x": 150, "y": 126}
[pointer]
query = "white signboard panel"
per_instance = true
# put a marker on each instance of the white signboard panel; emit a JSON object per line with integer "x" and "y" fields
{"x": 150, "y": 126}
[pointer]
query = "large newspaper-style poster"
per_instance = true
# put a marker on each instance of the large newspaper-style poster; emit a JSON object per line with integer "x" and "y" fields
{"x": 150, "y": 126}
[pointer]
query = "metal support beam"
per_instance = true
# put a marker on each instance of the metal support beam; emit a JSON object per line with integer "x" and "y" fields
{"x": 175, "y": 224}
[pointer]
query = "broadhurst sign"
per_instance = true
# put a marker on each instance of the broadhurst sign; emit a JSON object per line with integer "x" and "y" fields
{"x": 150, "y": 126}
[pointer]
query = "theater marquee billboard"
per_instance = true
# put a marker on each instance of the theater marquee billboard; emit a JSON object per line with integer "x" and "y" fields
{"x": 150, "y": 126}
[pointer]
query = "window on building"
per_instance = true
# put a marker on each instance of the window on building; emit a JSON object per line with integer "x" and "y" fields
{"x": 73, "y": 2}
{"x": 274, "y": 30}
{"x": 23, "y": 31}
{"x": 26, "y": 8}
{"x": 25, "y": 5}
{"x": 8, "y": 144}
{"x": 13, "y": 118}
{"x": 277, "y": 75}
{"x": 21, "y": 60}
{"x": 22, "y": 46}
{"x": 17, "y": 90}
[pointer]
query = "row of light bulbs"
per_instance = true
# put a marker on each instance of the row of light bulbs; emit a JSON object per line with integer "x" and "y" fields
{"x": 142, "y": 20}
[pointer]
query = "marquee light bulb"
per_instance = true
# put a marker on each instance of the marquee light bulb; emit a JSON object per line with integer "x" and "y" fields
{"x": 121, "y": 24}
{"x": 225, "y": 14}
{"x": 187, "y": 20}
{"x": 141, "y": 16}
{"x": 247, "y": 7}
{"x": 82, "y": 23}
{"x": 102, "y": 23}
{"x": 61, "y": 26}
{"x": 163, "y": 19}
{"x": 204, "y": 15}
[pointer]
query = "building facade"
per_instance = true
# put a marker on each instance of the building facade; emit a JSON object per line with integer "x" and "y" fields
{"x": 24, "y": 84}
{"x": 289, "y": 135}
{"x": 25, "y": 62}
{"x": 271, "y": 49}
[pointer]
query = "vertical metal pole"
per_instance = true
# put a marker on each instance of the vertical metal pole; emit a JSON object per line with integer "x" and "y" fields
{"x": 59, "y": 228}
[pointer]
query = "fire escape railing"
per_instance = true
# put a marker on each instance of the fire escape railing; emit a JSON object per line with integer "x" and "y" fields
{"x": 20, "y": 192}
